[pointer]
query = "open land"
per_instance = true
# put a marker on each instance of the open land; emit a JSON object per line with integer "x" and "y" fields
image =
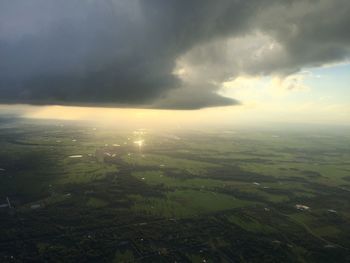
{"x": 73, "y": 192}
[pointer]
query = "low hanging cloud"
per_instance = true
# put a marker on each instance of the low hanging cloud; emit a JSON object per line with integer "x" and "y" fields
{"x": 160, "y": 54}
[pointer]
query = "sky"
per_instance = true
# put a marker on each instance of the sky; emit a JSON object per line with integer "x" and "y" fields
{"x": 176, "y": 62}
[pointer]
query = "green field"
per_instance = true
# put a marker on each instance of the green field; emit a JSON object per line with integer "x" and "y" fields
{"x": 87, "y": 194}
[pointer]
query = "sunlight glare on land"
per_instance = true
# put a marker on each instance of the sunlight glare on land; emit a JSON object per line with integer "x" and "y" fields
{"x": 139, "y": 143}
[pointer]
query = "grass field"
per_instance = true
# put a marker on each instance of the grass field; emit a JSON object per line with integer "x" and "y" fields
{"x": 179, "y": 195}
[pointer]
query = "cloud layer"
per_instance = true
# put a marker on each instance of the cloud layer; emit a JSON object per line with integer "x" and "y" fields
{"x": 159, "y": 54}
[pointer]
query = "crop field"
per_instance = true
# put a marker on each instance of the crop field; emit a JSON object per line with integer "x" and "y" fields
{"x": 78, "y": 193}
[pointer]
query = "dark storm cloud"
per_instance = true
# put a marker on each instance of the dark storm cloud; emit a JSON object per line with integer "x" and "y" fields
{"x": 127, "y": 52}
{"x": 312, "y": 32}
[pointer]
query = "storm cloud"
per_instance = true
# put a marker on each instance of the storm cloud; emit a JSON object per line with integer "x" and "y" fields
{"x": 160, "y": 54}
